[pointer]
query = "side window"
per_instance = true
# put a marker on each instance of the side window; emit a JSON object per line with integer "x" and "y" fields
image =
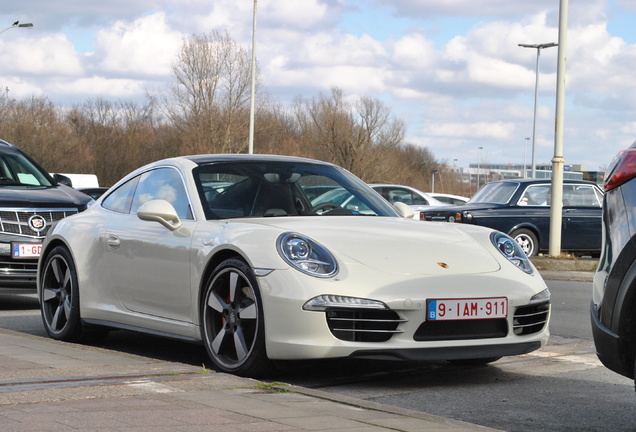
{"x": 404, "y": 196}
{"x": 120, "y": 199}
{"x": 535, "y": 196}
{"x": 165, "y": 184}
{"x": 580, "y": 196}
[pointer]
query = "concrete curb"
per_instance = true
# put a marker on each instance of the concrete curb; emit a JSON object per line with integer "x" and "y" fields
{"x": 575, "y": 269}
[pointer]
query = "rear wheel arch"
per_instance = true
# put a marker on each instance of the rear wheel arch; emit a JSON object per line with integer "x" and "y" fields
{"x": 623, "y": 321}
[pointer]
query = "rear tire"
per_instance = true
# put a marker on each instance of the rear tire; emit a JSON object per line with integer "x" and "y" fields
{"x": 59, "y": 297}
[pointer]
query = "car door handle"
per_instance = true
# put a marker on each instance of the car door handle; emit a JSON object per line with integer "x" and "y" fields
{"x": 113, "y": 242}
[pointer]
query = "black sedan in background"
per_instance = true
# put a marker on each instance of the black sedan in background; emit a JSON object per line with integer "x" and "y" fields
{"x": 521, "y": 208}
{"x": 613, "y": 307}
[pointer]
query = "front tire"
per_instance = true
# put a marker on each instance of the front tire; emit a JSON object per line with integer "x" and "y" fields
{"x": 59, "y": 297}
{"x": 232, "y": 320}
{"x": 527, "y": 240}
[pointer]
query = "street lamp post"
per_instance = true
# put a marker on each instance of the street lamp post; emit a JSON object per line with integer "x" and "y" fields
{"x": 538, "y": 47}
{"x": 17, "y": 25}
{"x": 525, "y": 168}
{"x": 433, "y": 181}
{"x": 250, "y": 149}
{"x": 478, "y": 166}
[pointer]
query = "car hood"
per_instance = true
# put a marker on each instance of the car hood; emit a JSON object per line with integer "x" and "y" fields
{"x": 463, "y": 208}
{"x": 40, "y": 197}
{"x": 400, "y": 246}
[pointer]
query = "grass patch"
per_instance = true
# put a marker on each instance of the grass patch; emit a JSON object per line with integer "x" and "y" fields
{"x": 273, "y": 387}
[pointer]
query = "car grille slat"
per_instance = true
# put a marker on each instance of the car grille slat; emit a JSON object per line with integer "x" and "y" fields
{"x": 530, "y": 325}
{"x": 531, "y": 319}
{"x": 16, "y": 222}
{"x": 366, "y": 330}
{"x": 357, "y": 325}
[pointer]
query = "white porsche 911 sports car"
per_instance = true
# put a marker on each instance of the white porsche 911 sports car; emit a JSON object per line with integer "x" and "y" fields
{"x": 228, "y": 250}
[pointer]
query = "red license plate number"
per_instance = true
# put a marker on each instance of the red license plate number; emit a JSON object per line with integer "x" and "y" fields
{"x": 467, "y": 309}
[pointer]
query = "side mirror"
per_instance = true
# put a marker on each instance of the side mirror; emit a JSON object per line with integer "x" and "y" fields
{"x": 404, "y": 210}
{"x": 62, "y": 179}
{"x": 160, "y": 211}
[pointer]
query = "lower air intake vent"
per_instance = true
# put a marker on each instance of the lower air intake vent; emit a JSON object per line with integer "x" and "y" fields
{"x": 531, "y": 319}
{"x": 461, "y": 329}
{"x": 363, "y": 325}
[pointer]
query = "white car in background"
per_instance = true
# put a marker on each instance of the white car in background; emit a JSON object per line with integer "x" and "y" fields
{"x": 414, "y": 198}
{"x": 229, "y": 251}
{"x": 449, "y": 198}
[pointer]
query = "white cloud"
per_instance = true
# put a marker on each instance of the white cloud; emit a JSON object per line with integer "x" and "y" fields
{"x": 144, "y": 47}
{"x": 41, "y": 55}
{"x": 17, "y": 88}
{"x": 414, "y": 51}
{"x": 338, "y": 49}
{"x": 495, "y": 130}
{"x": 98, "y": 86}
{"x": 300, "y": 15}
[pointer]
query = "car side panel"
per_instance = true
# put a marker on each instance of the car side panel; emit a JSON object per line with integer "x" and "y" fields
{"x": 614, "y": 316}
{"x": 509, "y": 219}
{"x": 580, "y": 228}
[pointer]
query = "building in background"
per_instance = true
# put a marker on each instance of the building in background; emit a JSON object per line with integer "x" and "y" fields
{"x": 476, "y": 175}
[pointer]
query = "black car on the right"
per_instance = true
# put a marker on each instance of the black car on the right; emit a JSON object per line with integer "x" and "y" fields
{"x": 613, "y": 308}
{"x": 521, "y": 209}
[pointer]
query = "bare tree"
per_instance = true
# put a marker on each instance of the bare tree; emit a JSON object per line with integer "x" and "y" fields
{"x": 356, "y": 136}
{"x": 120, "y": 136}
{"x": 38, "y": 127}
{"x": 210, "y": 94}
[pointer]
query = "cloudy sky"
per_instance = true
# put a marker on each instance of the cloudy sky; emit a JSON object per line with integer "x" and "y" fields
{"x": 451, "y": 69}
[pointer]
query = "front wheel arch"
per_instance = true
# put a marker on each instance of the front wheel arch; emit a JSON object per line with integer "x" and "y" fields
{"x": 212, "y": 264}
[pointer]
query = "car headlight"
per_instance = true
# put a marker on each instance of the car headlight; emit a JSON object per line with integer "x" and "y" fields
{"x": 511, "y": 250}
{"x": 306, "y": 255}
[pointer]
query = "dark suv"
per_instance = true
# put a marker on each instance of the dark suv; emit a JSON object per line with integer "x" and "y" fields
{"x": 31, "y": 200}
{"x": 613, "y": 306}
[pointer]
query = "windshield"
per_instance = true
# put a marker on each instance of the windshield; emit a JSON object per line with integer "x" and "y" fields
{"x": 496, "y": 192}
{"x": 18, "y": 170}
{"x": 274, "y": 189}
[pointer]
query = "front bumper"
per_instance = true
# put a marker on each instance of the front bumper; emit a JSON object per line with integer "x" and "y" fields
{"x": 16, "y": 275}
{"x": 293, "y": 333}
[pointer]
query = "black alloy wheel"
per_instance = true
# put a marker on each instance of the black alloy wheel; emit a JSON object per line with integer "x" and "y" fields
{"x": 232, "y": 318}
{"x": 59, "y": 296}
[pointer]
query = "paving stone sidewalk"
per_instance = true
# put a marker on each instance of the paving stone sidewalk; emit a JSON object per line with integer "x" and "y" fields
{"x": 47, "y": 385}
